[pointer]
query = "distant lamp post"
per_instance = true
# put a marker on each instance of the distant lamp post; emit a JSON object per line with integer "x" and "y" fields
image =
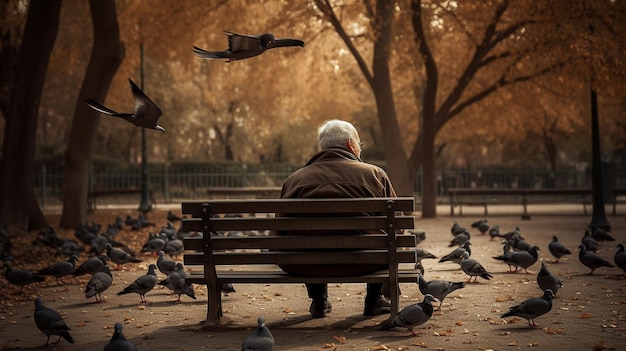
{"x": 598, "y": 217}
{"x": 145, "y": 205}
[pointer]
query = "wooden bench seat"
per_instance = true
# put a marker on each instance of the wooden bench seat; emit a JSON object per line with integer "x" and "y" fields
{"x": 214, "y": 260}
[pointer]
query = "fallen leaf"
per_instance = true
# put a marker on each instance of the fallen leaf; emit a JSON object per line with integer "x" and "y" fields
{"x": 513, "y": 343}
{"x": 459, "y": 323}
{"x": 533, "y": 344}
{"x": 380, "y": 347}
{"x": 585, "y": 315}
{"x": 504, "y": 298}
{"x": 340, "y": 339}
{"x": 422, "y": 344}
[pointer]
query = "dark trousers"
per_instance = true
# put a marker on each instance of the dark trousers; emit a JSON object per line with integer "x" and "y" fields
{"x": 320, "y": 291}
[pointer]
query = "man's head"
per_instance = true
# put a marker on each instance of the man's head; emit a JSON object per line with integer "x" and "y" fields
{"x": 338, "y": 133}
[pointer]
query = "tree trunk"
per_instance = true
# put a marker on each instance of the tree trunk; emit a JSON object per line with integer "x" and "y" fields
{"x": 18, "y": 205}
{"x": 106, "y": 56}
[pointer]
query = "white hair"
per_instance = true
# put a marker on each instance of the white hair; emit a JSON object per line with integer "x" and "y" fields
{"x": 336, "y": 132}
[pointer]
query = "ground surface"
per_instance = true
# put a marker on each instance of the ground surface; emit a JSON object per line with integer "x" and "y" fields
{"x": 588, "y": 314}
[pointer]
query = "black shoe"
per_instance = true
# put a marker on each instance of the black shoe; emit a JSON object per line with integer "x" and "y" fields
{"x": 319, "y": 308}
{"x": 381, "y": 305}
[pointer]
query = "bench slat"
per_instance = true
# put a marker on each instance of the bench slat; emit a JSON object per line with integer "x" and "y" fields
{"x": 369, "y": 241}
{"x": 279, "y": 258}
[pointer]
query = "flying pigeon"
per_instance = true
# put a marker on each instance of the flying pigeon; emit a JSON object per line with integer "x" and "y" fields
{"x": 245, "y": 46}
{"x": 620, "y": 258}
{"x": 532, "y": 308}
{"x": 142, "y": 284}
{"x": 457, "y": 254}
{"x": 60, "y": 269}
{"x": 557, "y": 249}
{"x": 591, "y": 259}
{"x": 50, "y": 322}
{"x": 118, "y": 341}
{"x": 99, "y": 282}
{"x": 473, "y": 268}
{"x": 547, "y": 280}
{"x": 145, "y": 115}
{"x": 119, "y": 256}
{"x": 91, "y": 266}
{"x": 20, "y": 277}
{"x": 413, "y": 315}
{"x": 439, "y": 289}
{"x": 522, "y": 259}
{"x": 600, "y": 235}
{"x": 261, "y": 340}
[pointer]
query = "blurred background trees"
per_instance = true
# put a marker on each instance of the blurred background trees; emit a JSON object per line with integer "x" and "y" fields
{"x": 497, "y": 83}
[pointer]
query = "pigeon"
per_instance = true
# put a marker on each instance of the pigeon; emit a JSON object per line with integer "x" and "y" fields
{"x": 522, "y": 259}
{"x": 413, "y": 315}
{"x": 521, "y": 245}
{"x": 154, "y": 244}
{"x": 546, "y": 280}
{"x": 92, "y": 265}
{"x": 245, "y": 46}
{"x": 20, "y": 277}
{"x": 177, "y": 284}
{"x": 456, "y": 229}
{"x": 60, "y": 269}
{"x": 174, "y": 247}
{"x": 591, "y": 260}
{"x": 169, "y": 230}
{"x": 145, "y": 115}
{"x": 515, "y": 234}
{"x": 172, "y": 217}
{"x": 460, "y": 239}
{"x": 532, "y": 308}
{"x": 98, "y": 244}
{"x": 457, "y": 254}
{"x": 600, "y": 235}
{"x": 473, "y": 268}
{"x": 557, "y": 249}
{"x": 165, "y": 265}
{"x": 494, "y": 232}
{"x": 590, "y": 243}
{"x": 482, "y": 226}
{"x": 119, "y": 256}
{"x": 506, "y": 255}
{"x": 620, "y": 258}
{"x": 439, "y": 289}
{"x": 419, "y": 236}
{"x": 69, "y": 247}
{"x": 118, "y": 341}
{"x": 423, "y": 254}
{"x": 261, "y": 340}
{"x": 99, "y": 282}
{"x": 142, "y": 285}
{"x": 50, "y": 322}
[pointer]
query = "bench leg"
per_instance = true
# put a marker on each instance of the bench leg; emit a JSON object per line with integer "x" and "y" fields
{"x": 214, "y": 308}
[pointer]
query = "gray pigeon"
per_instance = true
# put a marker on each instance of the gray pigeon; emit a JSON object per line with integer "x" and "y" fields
{"x": 547, "y": 280}
{"x": 50, "y": 322}
{"x": 413, "y": 315}
{"x": 457, "y": 254}
{"x": 439, "y": 289}
{"x": 494, "y": 232}
{"x": 245, "y": 46}
{"x": 99, "y": 282}
{"x": 165, "y": 265}
{"x": 506, "y": 256}
{"x": 532, "y": 308}
{"x": 177, "y": 284}
{"x": 456, "y": 229}
{"x": 482, "y": 225}
{"x": 473, "y": 268}
{"x": 591, "y": 260}
{"x": 20, "y": 277}
{"x": 600, "y": 235}
{"x": 154, "y": 244}
{"x": 174, "y": 247}
{"x": 119, "y": 256}
{"x": 142, "y": 284}
{"x": 522, "y": 259}
{"x": 590, "y": 243}
{"x": 557, "y": 249}
{"x": 118, "y": 341}
{"x": 60, "y": 269}
{"x": 91, "y": 266}
{"x": 460, "y": 239}
{"x": 620, "y": 258}
{"x": 145, "y": 115}
{"x": 261, "y": 340}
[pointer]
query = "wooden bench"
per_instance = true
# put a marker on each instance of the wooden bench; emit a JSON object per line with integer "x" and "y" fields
{"x": 617, "y": 198}
{"x": 485, "y": 196}
{"x": 93, "y": 195}
{"x": 211, "y": 258}
{"x": 263, "y": 192}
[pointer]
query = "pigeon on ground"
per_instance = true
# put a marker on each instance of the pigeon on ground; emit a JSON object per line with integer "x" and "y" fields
{"x": 177, "y": 284}
{"x": 457, "y": 229}
{"x": 245, "y": 46}
{"x": 98, "y": 244}
{"x": 474, "y": 269}
{"x": 413, "y": 315}
{"x": 261, "y": 340}
{"x": 600, "y": 235}
{"x": 591, "y": 260}
{"x": 521, "y": 245}
{"x": 21, "y": 277}
{"x": 482, "y": 225}
{"x": 69, "y": 247}
{"x": 92, "y": 265}
{"x": 169, "y": 230}
{"x": 118, "y": 341}
{"x": 165, "y": 265}
{"x": 590, "y": 243}
{"x": 143, "y": 284}
{"x": 494, "y": 232}
{"x": 173, "y": 217}
{"x": 119, "y": 256}
{"x": 515, "y": 234}
{"x": 174, "y": 247}
{"x": 99, "y": 282}
{"x": 620, "y": 258}
{"x": 457, "y": 254}
{"x": 419, "y": 236}
{"x": 522, "y": 259}
{"x": 460, "y": 239}
{"x": 154, "y": 244}
{"x": 422, "y": 254}
{"x": 557, "y": 249}
{"x": 547, "y": 280}
{"x": 439, "y": 289}
{"x": 50, "y": 322}
{"x": 60, "y": 269}
{"x": 145, "y": 115}
{"x": 532, "y": 308}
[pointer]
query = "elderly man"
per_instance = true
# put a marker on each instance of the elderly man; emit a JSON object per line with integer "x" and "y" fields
{"x": 337, "y": 171}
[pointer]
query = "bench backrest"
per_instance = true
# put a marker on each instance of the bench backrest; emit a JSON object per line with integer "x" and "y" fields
{"x": 384, "y": 216}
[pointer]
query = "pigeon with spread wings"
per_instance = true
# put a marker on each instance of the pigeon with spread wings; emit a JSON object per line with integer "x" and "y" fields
{"x": 145, "y": 115}
{"x": 245, "y": 46}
